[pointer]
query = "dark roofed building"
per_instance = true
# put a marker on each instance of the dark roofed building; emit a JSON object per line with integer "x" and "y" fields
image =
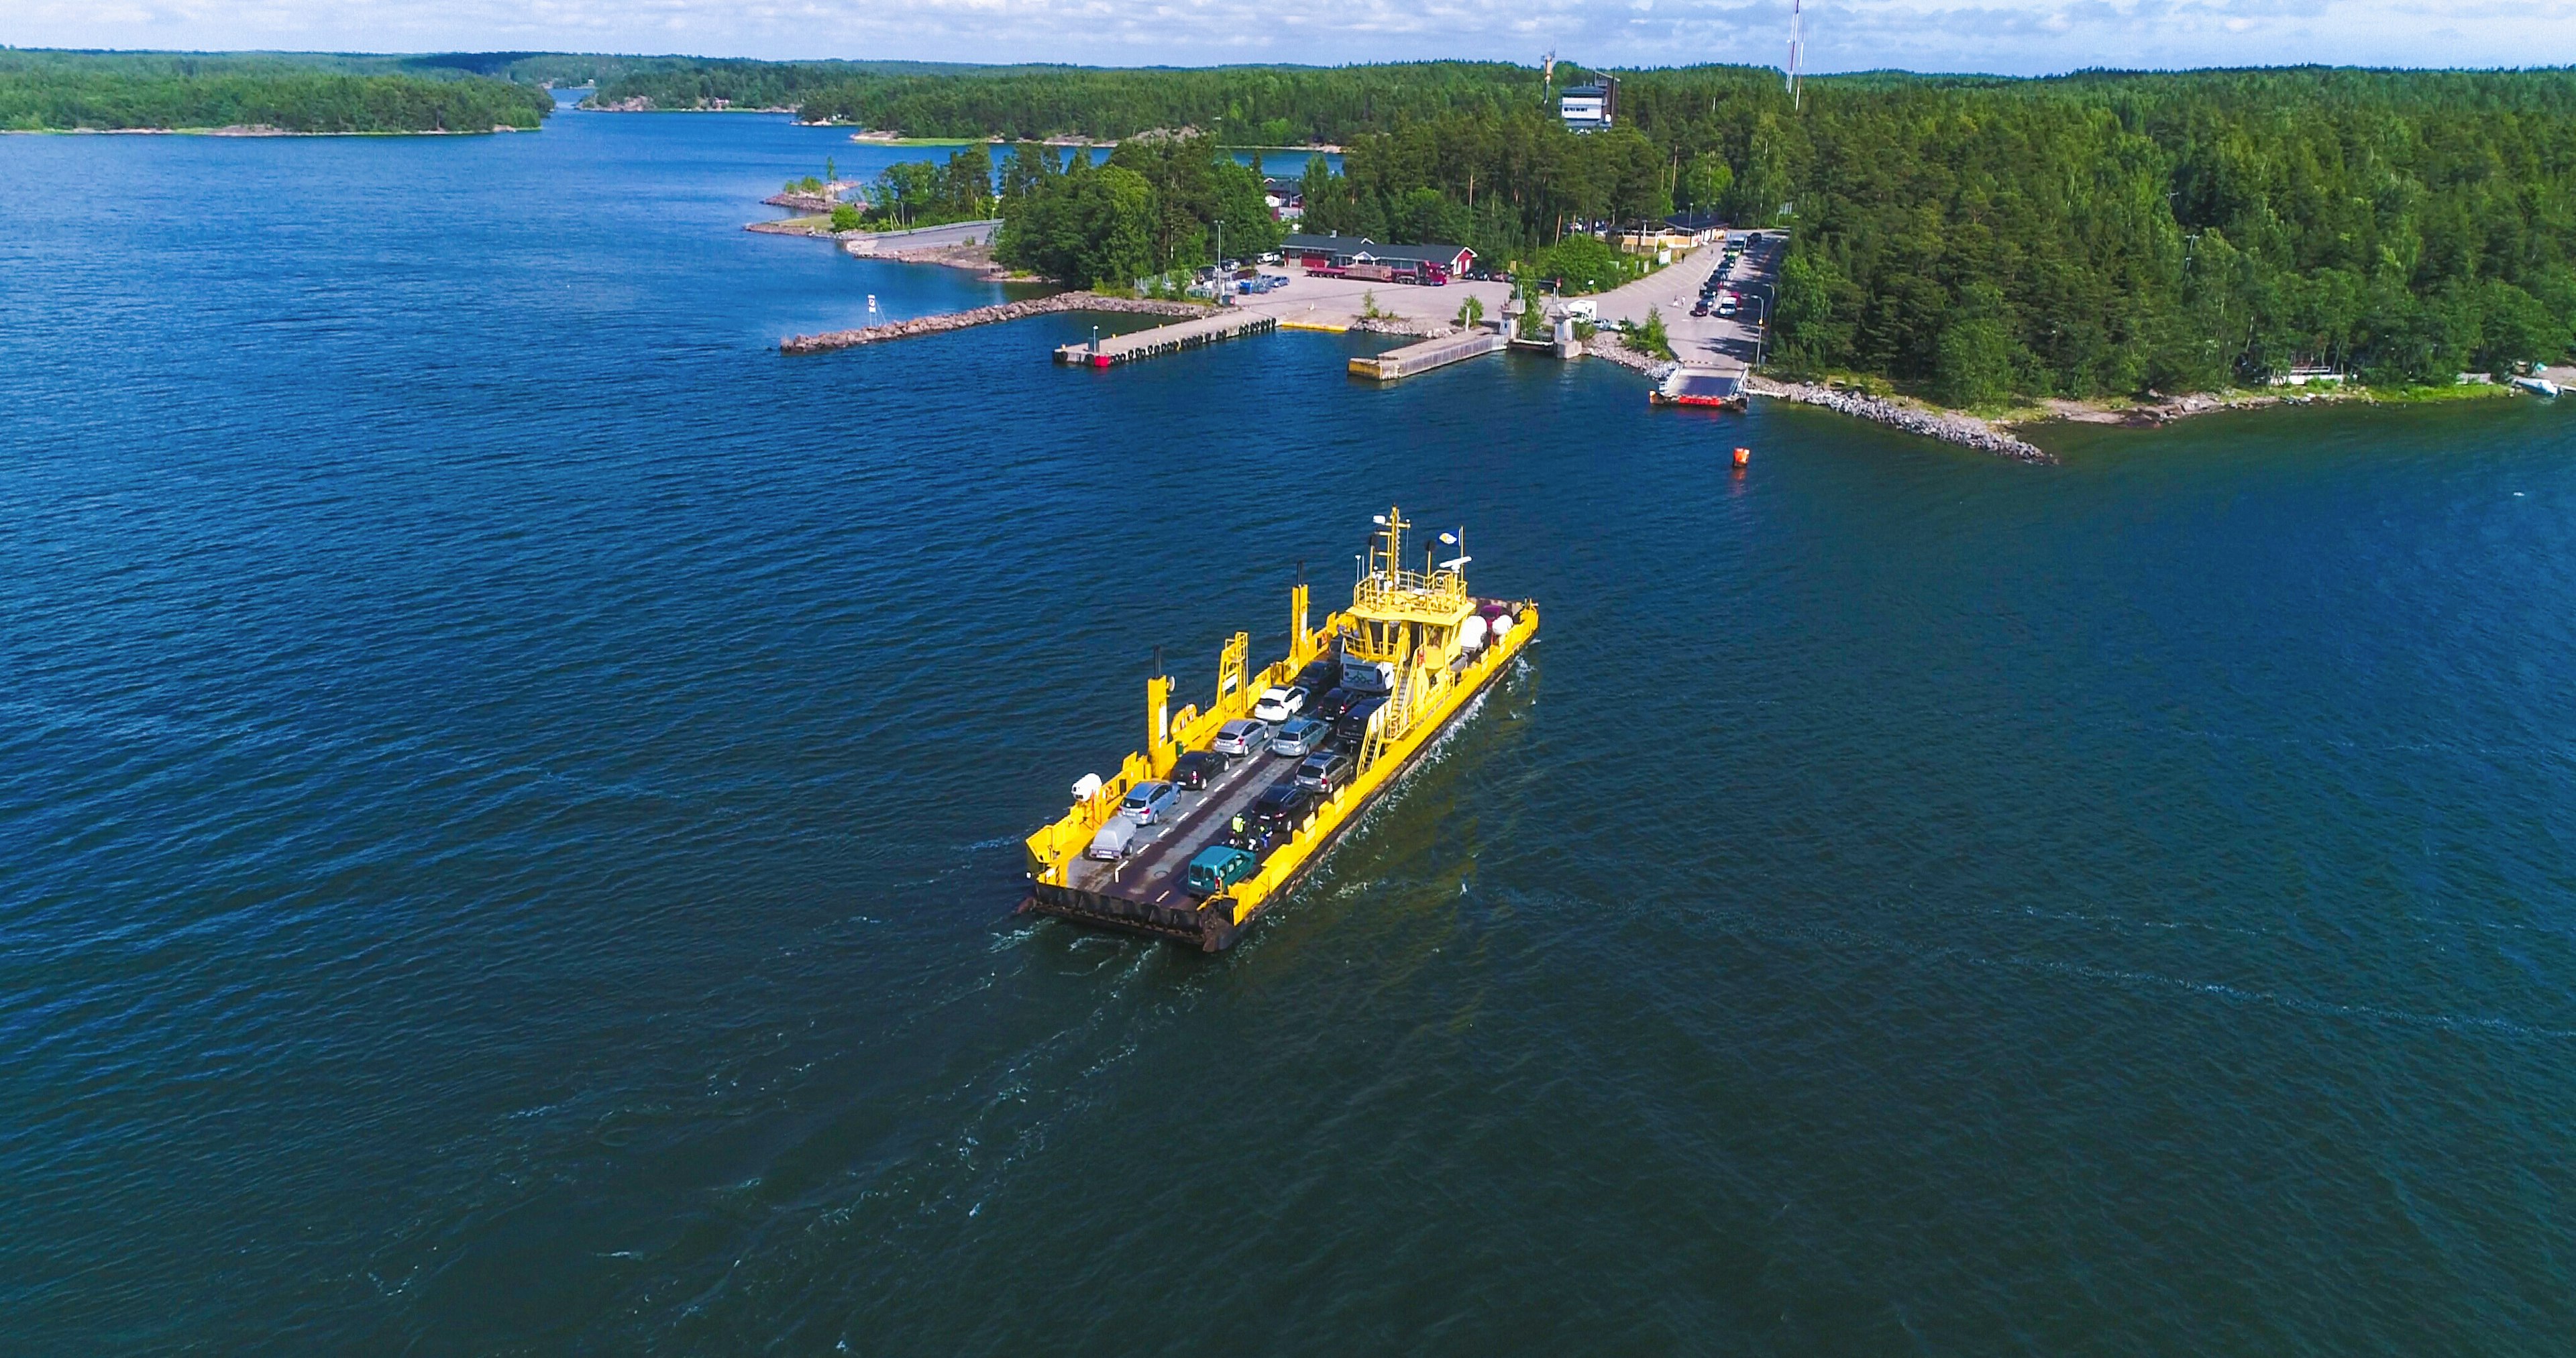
{"x": 1452, "y": 259}
{"x": 1332, "y": 249}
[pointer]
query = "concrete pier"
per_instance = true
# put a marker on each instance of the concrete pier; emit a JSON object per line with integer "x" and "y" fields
{"x": 1429, "y": 354}
{"x": 1167, "y": 339}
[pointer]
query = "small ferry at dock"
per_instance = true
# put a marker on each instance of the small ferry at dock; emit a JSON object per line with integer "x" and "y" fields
{"x": 1228, "y": 806}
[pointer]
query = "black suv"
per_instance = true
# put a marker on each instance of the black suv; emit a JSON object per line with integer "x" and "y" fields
{"x": 1198, "y": 768}
{"x": 1278, "y": 810}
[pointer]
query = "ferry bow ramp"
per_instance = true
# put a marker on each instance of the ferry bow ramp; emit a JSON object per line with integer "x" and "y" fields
{"x": 1230, "y": 805}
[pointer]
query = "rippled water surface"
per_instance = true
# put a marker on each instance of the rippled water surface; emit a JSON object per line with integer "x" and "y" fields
{"x": 510, "y": 793}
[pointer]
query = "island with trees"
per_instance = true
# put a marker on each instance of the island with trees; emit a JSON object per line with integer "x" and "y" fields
{"x": 161, "y": 91}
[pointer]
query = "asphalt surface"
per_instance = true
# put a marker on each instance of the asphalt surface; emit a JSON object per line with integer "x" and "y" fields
{"x": 926, "y": 237}
{"x": 1705, "y": 341}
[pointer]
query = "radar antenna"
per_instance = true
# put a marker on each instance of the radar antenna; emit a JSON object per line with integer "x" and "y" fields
{"x": 1797, "y": 47}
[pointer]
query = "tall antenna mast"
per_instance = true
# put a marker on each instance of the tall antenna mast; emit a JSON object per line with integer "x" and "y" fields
{"x": 1797, "y": 46}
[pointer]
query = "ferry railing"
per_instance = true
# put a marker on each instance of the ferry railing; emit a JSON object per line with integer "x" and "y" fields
{"x": 1403, "y": 591}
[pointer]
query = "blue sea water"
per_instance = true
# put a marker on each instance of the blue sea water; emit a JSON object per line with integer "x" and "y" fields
{"x": 510, "y": 795}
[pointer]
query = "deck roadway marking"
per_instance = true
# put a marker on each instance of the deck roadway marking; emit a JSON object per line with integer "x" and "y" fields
{"x": 1159, "y": 870}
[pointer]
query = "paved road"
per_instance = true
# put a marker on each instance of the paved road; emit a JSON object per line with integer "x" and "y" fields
{"x": 924, "y": 238}
{"x": 1708, "y": 340}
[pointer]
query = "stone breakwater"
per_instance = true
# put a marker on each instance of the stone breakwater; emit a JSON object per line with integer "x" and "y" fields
{"x": 1949, "y": 426}
{"x": 1403, "y": 325}
{"x": 986, "y": 315}
{"x": 1609, "y": 345}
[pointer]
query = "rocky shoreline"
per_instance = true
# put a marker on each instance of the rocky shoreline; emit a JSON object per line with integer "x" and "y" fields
{"x": 1611, "y": 345}
{"x": 1402, "y": 325}
{"x": 1949, "y": 426}
{"x": 988, "y": 315}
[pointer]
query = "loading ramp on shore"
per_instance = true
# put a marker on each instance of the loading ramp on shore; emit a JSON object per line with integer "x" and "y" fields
{"x": 1702, "y": 385}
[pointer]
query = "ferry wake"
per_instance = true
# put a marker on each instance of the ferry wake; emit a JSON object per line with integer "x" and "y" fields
{"x": 1227, "y": 807}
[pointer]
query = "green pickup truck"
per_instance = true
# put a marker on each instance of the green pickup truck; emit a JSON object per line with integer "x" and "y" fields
{"x": 1219, "y": 866}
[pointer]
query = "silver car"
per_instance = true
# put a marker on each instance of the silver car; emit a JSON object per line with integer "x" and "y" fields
{"x": 1298, "y": 739}
{"x": 1243, "y": 735}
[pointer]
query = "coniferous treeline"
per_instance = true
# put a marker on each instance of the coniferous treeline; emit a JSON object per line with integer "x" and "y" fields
{"x": 1158, "y": 203}
{"x": 2096, "y": 234}
{"x": 67, "y": 91}
{"x": 683, "y": 83}
{"x": 2113, "y": 233}
{"x": 1238, "y": 105}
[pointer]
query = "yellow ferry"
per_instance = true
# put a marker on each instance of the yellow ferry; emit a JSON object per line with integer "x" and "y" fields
{"x": 1222, "y": 812}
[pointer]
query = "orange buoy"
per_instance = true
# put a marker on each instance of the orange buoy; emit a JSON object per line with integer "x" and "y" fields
{"x": 1743, "y": 456}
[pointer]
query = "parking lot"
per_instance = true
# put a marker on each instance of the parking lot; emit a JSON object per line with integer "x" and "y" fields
{"x": 1707, "y": 341}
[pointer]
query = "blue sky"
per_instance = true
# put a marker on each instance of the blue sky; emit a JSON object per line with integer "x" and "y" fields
{"x": 2004, "y": 36}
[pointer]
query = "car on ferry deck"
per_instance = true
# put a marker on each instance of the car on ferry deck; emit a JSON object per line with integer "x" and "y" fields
{"x": 1367, "y": 679}
{"x": 1352, "y": 727}
{"x": 1298, "y": 737}
{"x": 1217, "y": 867}
{"x": 1278, "y": 704}
{"x": 1324, "y": 774}
{"x": 1193, "y": 771}
{"x": 1118, "y": 838}
{"x": 1332, "y": 705}
{"x": 1151, "y": 802}
{"x": 1281, "y": 808}
{"x": 1243, "y": 735}
{"x": 1320, "y": 674}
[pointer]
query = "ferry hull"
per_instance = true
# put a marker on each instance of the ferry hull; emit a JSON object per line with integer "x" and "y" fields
{"x": 1436, "y": 647}
{"x": 1213, "y": 925}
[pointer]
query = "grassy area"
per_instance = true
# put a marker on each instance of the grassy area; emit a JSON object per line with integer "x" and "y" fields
{"x": 2467, "y": 391}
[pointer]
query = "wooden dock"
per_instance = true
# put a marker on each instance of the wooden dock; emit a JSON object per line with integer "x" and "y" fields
{"x": 1167, "y": 339}
{"x": 1429, "y": 354}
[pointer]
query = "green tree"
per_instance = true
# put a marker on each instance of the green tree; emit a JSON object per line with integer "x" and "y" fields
{"x": 1973, "y": 365}
{"x": 1093, "y": 226}
{"x": 1706, "y": 181}
{"x": 845, "y": 217}
{"x": 1583, "y": 264}
{"x": 1649, "y": 337}
{"x": 966, "y": 184}
{"x": 1427, "y": 216}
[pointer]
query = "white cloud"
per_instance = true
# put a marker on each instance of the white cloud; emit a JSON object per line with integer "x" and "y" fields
{"x": 2005, "y": 36}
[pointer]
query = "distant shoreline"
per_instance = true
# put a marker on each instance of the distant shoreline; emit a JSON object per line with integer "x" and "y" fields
{"x": 252, "y": 131}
